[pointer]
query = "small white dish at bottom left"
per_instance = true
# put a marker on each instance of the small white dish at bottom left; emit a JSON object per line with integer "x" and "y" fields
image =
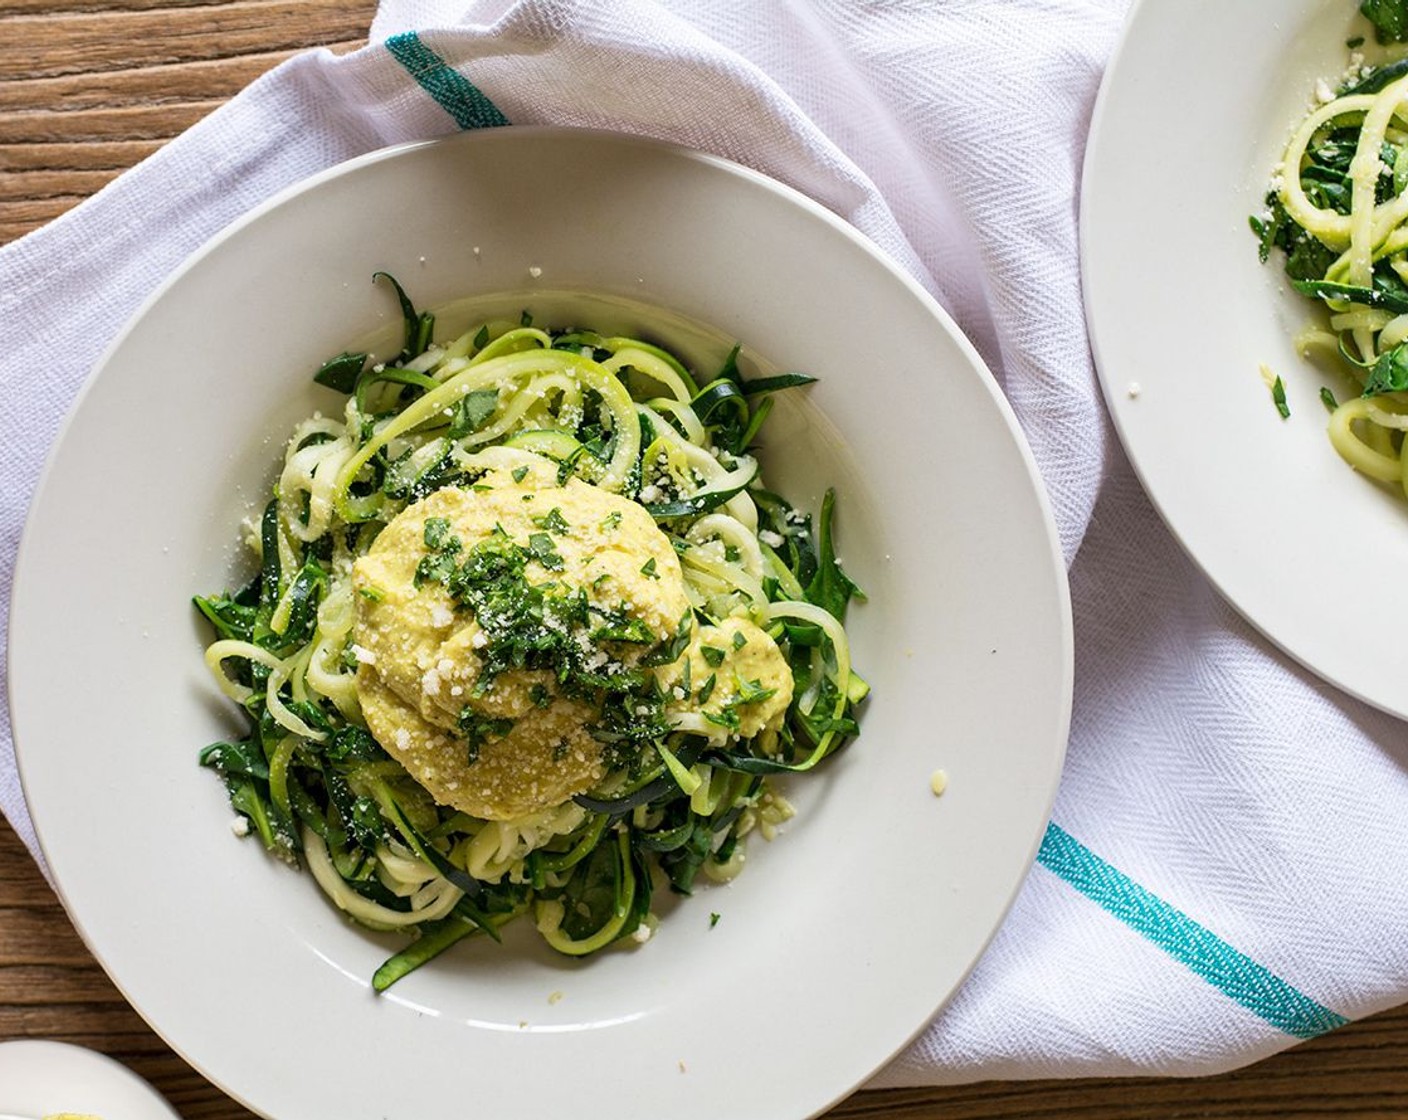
{"x": 40, "y": 1078}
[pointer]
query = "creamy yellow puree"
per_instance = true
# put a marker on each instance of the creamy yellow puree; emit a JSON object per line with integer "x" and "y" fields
{"x": 420, "y": 654}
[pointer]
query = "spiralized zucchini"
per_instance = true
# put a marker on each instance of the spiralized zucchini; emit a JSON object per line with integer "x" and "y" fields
{"x": 1338, "y": 209}
{"x": 622, "y": 415}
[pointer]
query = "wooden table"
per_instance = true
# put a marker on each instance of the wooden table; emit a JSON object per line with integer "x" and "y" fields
{"x": 88, "y": 88}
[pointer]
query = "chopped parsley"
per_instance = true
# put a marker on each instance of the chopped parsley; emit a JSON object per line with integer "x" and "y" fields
{"x": 706, "y": 690}
{"x": 554, "y": 522}
{"x": 739, "y": 641}
{"x": 751, "y": 692}
{"x": 519, "y": 473}
{"x": 1278, "y": 397}
{"x": 713, "y": 655}
{"x": 713, "y": 920}
{"x": 624, "y": 630}
{"x": 1327, "y": 398}
{"x": 648, "y": 569}
{"x": 439, "y": 537}
{"x": 611, "y": 520}
{"x": 724, "y": 717}
{"x": 541, "y": 548}
{"x": 478, "y": 730}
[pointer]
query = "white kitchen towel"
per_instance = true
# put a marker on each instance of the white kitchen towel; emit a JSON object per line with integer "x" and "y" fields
{"x": 1224, "y": 873}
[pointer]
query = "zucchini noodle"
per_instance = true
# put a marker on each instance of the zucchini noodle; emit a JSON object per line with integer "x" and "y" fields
{"x": 1338, "y": 210}
{"x": 694, "y": 723}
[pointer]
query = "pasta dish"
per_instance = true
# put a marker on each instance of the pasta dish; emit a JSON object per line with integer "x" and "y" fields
{"x": 528, "y": 637}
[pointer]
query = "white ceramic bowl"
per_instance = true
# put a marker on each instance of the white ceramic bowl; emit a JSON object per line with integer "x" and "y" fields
{"x": 42, "y": 1078}
{"x": 841, "y": 939}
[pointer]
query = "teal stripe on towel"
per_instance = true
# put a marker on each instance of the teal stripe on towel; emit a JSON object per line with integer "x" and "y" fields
{"x": 452, "y": 91}
{"x": 1233, "y": 973}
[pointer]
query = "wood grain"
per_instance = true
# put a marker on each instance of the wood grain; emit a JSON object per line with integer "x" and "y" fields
{"x": 88, "y": 88}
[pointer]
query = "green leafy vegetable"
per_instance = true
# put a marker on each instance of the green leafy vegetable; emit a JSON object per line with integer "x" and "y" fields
{"x": 473, "y": 409}
{"x": 341, "y": 373}
{"x": 1389, "y": 17}
{"x": 831, "y": 589}
{"x": 419, "y": 325}
{"x": 1385, "y": 299}
{"x": 1389, "y": 373}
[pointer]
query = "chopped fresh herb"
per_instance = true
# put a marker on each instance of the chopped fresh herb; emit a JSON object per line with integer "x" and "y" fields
{"x": 540, "y": 696}
{"x": 706, "y": 689}
{"x": 671, "y": 651}
{"x": 479, "y": 730}
{"x": 1327, "y": 398}
{"x": 724, "y": 717}
{"x": 739, "y": 641}
{"x": 1355, "y": 43}
{"x": 1278, "y": 395}
{"x": 611, "y": 520}
{"x": 713, "y": 655}
{"x": 540, "y": 547}
{"x": 553, "y": 522}
{"x": 713, "y": 920}
{"x": 731, "y": 553}
{"x": 648, "y": 569}
{"x": 372, "y": 594}
{"x": 525, "y": 319}
{"x": 751, "y": 692}
{"x": 481, "y": 337}
{"x": 438, "y": 536}
{"x": 435, "y": 567}
{"x": 631, "y": 630}
{"x": 519, "y": 473}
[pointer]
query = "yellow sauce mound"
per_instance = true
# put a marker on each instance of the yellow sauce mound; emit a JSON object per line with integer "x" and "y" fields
{"x": 420, "y": 656}
{"x": 749, "y": 655}
{"x": 421, "y": 653}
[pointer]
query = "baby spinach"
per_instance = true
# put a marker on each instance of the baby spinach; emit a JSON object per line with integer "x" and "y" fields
{"x": 1389, "y": 17}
